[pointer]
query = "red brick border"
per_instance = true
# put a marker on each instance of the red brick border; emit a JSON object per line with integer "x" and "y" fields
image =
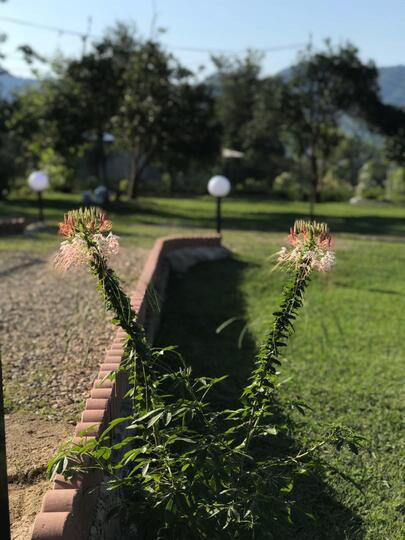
{"x": 12, "y": 226}
{"x": 68, "y": 509}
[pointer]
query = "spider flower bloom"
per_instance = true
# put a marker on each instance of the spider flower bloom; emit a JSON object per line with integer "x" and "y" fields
{"x": 72, "y": 252}
{"x": 310, "y": 247}
{"x": 83, "y": 230}
{"x": 107, "y": 245}
{"x": 88, "y": 221}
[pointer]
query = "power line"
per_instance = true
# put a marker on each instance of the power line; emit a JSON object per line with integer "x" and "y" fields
{"x": 235, "y": 51}
{"x": 56, "y": 29}
{"x": 86, "y": 35}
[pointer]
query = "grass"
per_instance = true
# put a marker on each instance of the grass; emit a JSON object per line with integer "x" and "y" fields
{"x": 150, "y": 217}
{"x": 346, "y": 359}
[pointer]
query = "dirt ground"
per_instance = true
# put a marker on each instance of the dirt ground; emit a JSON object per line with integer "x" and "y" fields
{"x": 31, "y": 441}
{"x": 53, "y": 335}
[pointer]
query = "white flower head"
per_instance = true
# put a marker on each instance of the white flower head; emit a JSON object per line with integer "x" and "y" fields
{"x": 310, "y": 247}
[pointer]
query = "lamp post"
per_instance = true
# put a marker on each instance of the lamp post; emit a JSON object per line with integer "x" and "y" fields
{"x": 219, "y": 187}
{"x": 38, "y": 181}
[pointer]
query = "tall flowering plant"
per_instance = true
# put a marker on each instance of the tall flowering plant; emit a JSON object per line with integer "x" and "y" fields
{"x": 186, "y": 470}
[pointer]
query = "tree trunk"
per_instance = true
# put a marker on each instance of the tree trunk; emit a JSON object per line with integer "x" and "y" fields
{"x": 134, "y": 176}
{"x": 101, "y": 159}
{"x": 139, "y": 162}
{"x": 315, "y": 194}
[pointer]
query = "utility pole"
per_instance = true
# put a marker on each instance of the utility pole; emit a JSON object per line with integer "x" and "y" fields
{"x": 86, "y": 35}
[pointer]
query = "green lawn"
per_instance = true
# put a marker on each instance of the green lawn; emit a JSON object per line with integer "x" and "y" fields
{"x": 150, "y": 217}
{"x": 346, "y": 359}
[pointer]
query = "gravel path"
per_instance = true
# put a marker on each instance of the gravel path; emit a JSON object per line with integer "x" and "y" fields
{"x": 53, "y": 335}
{"x": 53, "y": 331}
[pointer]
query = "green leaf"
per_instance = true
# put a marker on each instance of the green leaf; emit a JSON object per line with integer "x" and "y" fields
{"x": 155, "y": 418}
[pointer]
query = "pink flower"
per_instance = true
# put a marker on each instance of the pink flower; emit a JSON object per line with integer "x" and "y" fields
{"x": 311, "y": 244}
{"x": 83, "y": 229}
{"x": 71, "y": 253}
{"x": 87, "y": 220}
{"x": 108, "y": 245}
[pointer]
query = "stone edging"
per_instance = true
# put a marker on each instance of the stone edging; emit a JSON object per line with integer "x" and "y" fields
{"x": 68, "y": 508}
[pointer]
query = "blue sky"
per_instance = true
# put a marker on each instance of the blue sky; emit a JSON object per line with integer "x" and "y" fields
{"x": 375, "y": 26}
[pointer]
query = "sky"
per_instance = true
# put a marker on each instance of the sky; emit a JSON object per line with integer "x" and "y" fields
{"x": 197, "y": 28}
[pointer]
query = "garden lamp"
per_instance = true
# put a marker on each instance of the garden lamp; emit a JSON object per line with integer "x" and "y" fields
{"x": 38, "y": 181}
{"x": 219, "y": 187}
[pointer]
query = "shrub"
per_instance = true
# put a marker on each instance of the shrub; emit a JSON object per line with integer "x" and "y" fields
{"x": 253, "y": 186}
{"x": 287, "y": 186}
{"x": 395, "y": 186}
{"x": 335, "y": 189}
{"x": 371, "y": 180}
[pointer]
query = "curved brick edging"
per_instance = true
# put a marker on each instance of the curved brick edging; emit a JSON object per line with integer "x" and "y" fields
{"x": 12, "y": 226}
{"x": 68, "y": 509}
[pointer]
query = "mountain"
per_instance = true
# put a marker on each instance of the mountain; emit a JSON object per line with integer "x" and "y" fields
{"x": 392, "y": 85}
{"x": 391, "y": 80}
{"x": 10, "y": 83}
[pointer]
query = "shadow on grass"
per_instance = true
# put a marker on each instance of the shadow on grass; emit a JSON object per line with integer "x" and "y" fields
{"x": 238, "y": 214}
{"x": 196, "y": 304}
{"x": 282, "y": 221}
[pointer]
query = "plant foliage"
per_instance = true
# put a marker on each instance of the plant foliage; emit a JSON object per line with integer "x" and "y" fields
{"x": 186, "y": 470}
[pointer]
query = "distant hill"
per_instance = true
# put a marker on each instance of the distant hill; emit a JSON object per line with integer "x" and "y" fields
{"x": 10, "y": 83}
{"x": 392, "y": 85}
{"x": 391, "y": 80}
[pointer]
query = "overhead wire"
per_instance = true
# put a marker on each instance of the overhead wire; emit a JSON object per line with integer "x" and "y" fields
{"x": 86, "y": 35}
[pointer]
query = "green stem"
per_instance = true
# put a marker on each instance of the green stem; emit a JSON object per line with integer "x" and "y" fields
{"x": 259, "y": 391}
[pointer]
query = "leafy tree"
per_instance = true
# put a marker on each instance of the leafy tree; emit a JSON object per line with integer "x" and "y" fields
{"x": 238, "y": 86}
{"x": 264, "y": 147}
{"x": 38, "y": 123}
{"x": 323, "y": 85}
{"x": 65, "y": 114}
{"x": 250, "y": 112}
{"x": 150, "y": 122}
{"x": 395, "y": 147}
{"x": 96, "y": 80}
{"x": 8, "y": 149}
{"x": 195, "y": 136}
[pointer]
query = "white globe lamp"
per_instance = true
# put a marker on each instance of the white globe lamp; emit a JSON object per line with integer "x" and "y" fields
{"x": 38, "y": 181}
{"x": 219, "y": 187}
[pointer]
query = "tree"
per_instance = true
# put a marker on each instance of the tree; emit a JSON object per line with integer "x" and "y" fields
{"x": 67, "y": 113}
{"x": 264, "y": 148}
{"x": 250, "y": 112}
{"x": 395, "y": 147}
{"x": 238, "y": 84}
{"x": 39, "y": 123}
{"x": 195, "y": 134}
{"x": 9, "y": 166}
{"x": 323, "y": 85}
{"x": 96, "y": 80}
{"x": 144, "y": 121}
